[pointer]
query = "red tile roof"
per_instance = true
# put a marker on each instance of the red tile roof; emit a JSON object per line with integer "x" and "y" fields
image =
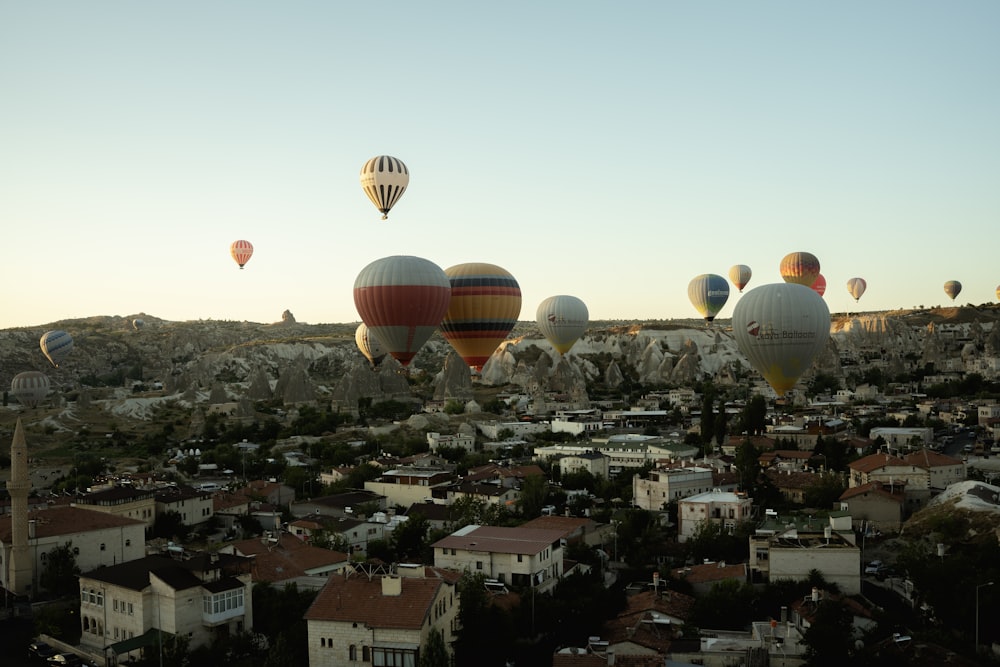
{"x": 359, "y": 599}
{"x": 62, "y": 520}
{"x": 288, "y": 558}
{"x": 498, "y": 539}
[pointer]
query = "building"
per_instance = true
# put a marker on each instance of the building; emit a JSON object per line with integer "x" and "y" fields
{"x": 594, "y": 463}
{"x": 285, "y": 558}
{"x": 123, "y": 501}
{"x": 199, "y": 596}
{"x": 380, "y": 618}
{"x": 726, "y": 508}
{"x": 904, "y": 438}
{"x": 923, "y": 474}
{"x": 668, "y": 484}
{"x": 521, "y": 557}
{"x": 875, "y": 504}
{"x": 791, "y": 549}
{"x": 710, "y": 573}
{"x": 438, "y": 440}
{"x": 96, "y": 539}
{"x": 404, "y": 486}
{"x": 194, "y": 506}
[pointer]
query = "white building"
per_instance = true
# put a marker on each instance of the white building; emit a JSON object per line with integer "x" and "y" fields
{"x": 669, "y": 484}
{"x": 96, "y": 539}
{"x": 203, "y": 597}
{"x": 438, "y": 440}
{"x": 519, "y": 557}
{"x": 595, "y": 463}
{"x": 904, "y": 437}
{"x": 723, "y": 507}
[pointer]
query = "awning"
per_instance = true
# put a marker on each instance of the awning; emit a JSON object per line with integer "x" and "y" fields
{"x": 148, "y": 638}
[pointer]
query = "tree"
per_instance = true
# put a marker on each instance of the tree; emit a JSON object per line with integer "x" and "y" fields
{"x": 829, "y": 639}
{"x": 719, "y": 427}
{"x": 409, "y": 539}
{"x": 754, "y": 416}
{"x": 60, "y": 572}
{"x": 534, "y": 491}
{"x": 434, "y": 653}
{"x": 169, "y": 525}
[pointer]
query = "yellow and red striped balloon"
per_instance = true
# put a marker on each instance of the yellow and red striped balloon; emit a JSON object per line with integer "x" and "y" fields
{"x": 485, "y": 305}
{"x": 800, "y": 268}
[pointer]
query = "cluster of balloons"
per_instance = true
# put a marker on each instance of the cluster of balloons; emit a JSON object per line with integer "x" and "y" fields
{"x": 403, "y": 300}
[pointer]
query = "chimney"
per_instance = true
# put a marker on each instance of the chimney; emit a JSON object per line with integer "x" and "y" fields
{"x": 392, "y": 585}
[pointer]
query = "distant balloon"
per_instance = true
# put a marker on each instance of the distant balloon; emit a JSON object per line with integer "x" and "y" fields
{"x": 402, "y": 300}
{"x": 30, "y": 388}
{"x": 369, "y": 345}
{"x": 138, "y": 323}
{"x": 781, "y": 328}
{"x": 56, "y": 345}
{"x": 485, "y": 304}
{"x": 740, "y": 274}
{"x": 952, "y": 288}
{"x": 708, "y": 293}
{"x": 562, "y": 320}
{"x": 998, "y": 292}
{"x": 384, "y": 180}
{"x": 800, "y": 268}
{"x": 819, "y": 286}
{"x": 241, "y": 251}
{"x": 857, "y": 287}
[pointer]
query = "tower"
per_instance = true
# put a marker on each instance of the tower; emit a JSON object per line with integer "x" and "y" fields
{"x": 19, "y": 574}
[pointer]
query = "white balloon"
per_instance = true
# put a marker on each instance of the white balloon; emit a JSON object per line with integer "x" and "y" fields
{"x": 562, "y": 320}
{"x": 781, "y": 329}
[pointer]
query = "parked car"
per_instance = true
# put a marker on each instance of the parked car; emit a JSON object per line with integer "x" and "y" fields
{"x": 40, "y": 651}
{"x": 874, "y": 567}
{"x": 66, "y": 660}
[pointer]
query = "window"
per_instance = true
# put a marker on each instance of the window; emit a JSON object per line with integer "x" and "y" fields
{"x": 479, "y": 564}
{"x": 102, "y": 546}
{"x": 322, "y": 642}
{"x": 394, "y": 657}
{"x": 45, "y": 557}
{"x": 129, "y": 608}
{"x": 352, "y": 652}
{"x": 128, "y": 543}
{"x": 520, "y": 558}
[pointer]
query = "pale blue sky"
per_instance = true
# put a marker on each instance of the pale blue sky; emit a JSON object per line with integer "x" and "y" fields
{"x": 611, "y": 151}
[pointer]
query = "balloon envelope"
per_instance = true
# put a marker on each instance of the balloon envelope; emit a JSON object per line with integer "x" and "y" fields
{"x": 402, "y": 300}
{"x": 138, "y": 323}
{"x": 708, "y": 293}
{"x": 952, "y": 288}
{"x": 384, "y": 180}
{"x": 740, "y": 274}
{"x": 56, "y": 345}
{"x": 241, "y": 251}
{"x": 857, "y": 287}
{"x": 819, "y": 286}
{"x": 30, "y": 388}
{"x": 368, "y": 344}
{"x": 781, "y": 329}
{"x": 562, "y": 319}
{"x": 800, "y": 268}
{"x": 485, "y": 304}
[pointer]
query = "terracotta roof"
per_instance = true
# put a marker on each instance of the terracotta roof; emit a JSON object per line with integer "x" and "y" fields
{"x": 498, "y": 539}
{"x": 709, "y": 572}
{"x": 873, "y": 462}
{"x": 633, "y": 624}
{"x": 65, "y": 520}
{"x": 567, "y": 524}
{"x": 357, "y": 598}
{"x": 290, "y": 557}
{"x": 791, "y": 479}
{"x": 928, "y": 458}
{"x": 878, "y": 489}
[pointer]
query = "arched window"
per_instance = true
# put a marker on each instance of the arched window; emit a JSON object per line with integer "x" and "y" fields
{"x": 352, "y": 652}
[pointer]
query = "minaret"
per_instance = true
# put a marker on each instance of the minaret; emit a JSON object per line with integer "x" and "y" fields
{"x": 19, "y": 574}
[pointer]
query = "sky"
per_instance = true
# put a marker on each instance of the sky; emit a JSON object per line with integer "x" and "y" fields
{"x": 610, "y": 151}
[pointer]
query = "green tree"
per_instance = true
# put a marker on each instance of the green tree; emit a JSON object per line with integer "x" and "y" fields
{"x": 829, "y": 639}
{"x": 748, "y": 465}
{"x": 59, "y": 576}
{"x": 434, "y": 653}
{"x": 534, "y": 492}
{"x": 719, "y": 426}
{"x": 170, "y": 526}
{"x": 754, "y": 416}
{"x": 409, "y": 540}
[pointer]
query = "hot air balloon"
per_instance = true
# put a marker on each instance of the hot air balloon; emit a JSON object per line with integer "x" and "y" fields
{"x": 781, "y": 328}
{"x": 485, "y": 305}
{"x": 998, "y": 292}
{"x": 562, "y": 320}
{"x": 740, "y": 274}
{"x": 384, "y": 180}
{"x": 800, "y": 268}
{"x": 369, "y": 345}
{"x": 30, "y": 388}
{"x": 56, "y": 345}
{"x": 241, "y": 251}
{"x": 952, "y": 288}
{"x": 819, "y": 285}
{"x": 857, "y": 287}
{"x": 402, "y": 300}
{"x": 708, "y": 293}
{"x": 138, "y": 323}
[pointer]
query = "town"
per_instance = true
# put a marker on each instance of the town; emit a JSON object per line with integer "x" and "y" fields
{"x": 644, "y": 500}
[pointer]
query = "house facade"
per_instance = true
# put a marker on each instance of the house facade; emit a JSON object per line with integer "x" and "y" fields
{"x": 665, "y": 485}
{"x": 518, "y": 556}
{"x": 726, "y": 508}
{"x": 199, "y": 596}
{"x": 361, "y": 618}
